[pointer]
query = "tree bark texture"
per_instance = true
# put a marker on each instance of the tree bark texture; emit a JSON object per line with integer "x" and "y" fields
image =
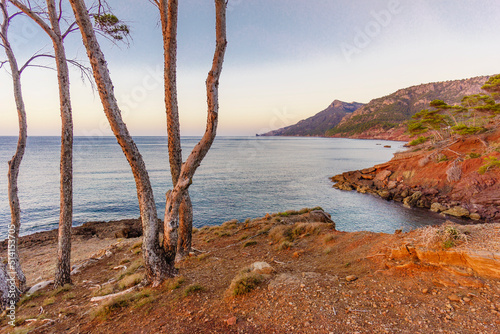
{"x": 156, "y": 264}
{"x": 175, "y": 197}
{"x": 15, "y": 162}
{"x": 168, "y": 15}
{"x": 63, "y": 265}
{"x": 63, "y": 261}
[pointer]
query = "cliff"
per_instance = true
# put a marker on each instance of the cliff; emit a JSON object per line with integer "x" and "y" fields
{"x": 444, "y": 177}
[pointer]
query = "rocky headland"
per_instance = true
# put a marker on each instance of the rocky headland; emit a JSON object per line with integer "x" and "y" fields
{"x": 444, "y": 177}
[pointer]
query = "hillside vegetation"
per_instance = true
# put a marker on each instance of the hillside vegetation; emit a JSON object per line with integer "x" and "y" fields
{"x": 381, "y": 118}
{"x": 392, "y": 111}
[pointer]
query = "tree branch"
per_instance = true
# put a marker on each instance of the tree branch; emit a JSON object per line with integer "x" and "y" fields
{"x": 35, "y": 17}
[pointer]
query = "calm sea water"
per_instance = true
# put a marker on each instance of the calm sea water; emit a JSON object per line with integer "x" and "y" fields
{"x": 241, "y": 177}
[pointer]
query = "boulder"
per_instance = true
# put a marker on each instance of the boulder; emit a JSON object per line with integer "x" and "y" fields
{"x": 261, "y": 268}
{"x": 319, "y": 216}
{"x": 411, "y": 201}
{"x": 343, "y": 186}
{"x": 457, "y": 211}
{"x": 383, "y": 175}
{"x": 437, "y": 207}
{"x": 475, "y": 216}
{"x": 385, "y": 194}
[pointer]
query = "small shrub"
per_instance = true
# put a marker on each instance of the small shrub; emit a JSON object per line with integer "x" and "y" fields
{"x": 249, "y": 243}
{"x": 69, "y": 296}
{"x": 489, "y": 163}
{"x": 244, "y": 283}
{"x": 174, "y": 283}
{"x": 192, "y": 289}
{"x": 61, "y": 289}
{"x": 418, "y": 141}
{"x": 26, "y": 298}
{"x": 463, "y": 129}
{"x": 284, "y": 245}
{"x": 441, "y": 158}
{"x": 49, "y": 301}
{"x": 230, "y": 224}
{"x": 327, "y": 250}
{"x": 244, "y": 236}
{"x": 300, "y": 229}
{"x": 202, "y": 257}
{"x": 473, "y": 155}
{"x": 129, "y": 281}
{"x": 110, "y": 306}
{"x": 446, "y": 236}
{"x": 280, "y": 233}
{"x": 329, "y": 237}
{"x": 288, "y": 213}
{"x": 105, "y": 290}
{"x": 222, "y": 233}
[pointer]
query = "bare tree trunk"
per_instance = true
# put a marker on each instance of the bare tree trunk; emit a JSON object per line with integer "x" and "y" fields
{"x": 156, "y": 264}
{"x": 63, "y": 264}
{"x": 15, "y": 162}
{"x": 168, "y": 14}
{"x": 175, "y": 197}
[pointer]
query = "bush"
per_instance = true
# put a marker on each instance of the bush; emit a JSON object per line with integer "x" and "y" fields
{"x": 418, "y": 141}
{"x": 192, "y": 289}
{"x": 490, "y": 163}
{"x": 244, "y": 283}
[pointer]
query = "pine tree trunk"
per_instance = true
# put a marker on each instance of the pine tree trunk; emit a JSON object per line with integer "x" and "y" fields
{"x": 156, "y": 264}
{"x": 63, "y": 264}
{"x": 168, "y": 15}
{"x": 176, "y": 196}
{"x": 15, "y": 162}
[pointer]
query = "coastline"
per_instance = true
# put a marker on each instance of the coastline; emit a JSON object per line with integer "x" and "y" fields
{"x": 320, "y": 279}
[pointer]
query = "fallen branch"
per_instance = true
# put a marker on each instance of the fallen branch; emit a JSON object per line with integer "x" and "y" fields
{"x": 124, "y": 292}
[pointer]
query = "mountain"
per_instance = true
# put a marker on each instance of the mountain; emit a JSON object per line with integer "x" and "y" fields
{"x": 384, "y": 118}
{"x": 318, "y": 124}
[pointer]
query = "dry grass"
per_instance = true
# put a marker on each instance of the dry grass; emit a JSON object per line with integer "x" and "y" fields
{"x": 129, "y": 281}
{"x": 445, "y": 236}
{"x": 244, "y": 282}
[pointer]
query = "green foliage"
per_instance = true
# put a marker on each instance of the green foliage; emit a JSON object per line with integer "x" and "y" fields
{"x": 490, "y": 162}
{"x": 463, "y": 129}
{"x": 473, "y": 155}
{"x": 110, "y": 25}
{"x": 442, "y": 158}
{"x": 192, "y": 289}
{"x": 249, "y": 243}
{"x": 418, "y": 141}
{"x": 493, "y": 86}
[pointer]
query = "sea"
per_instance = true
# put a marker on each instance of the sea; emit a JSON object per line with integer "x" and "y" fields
{"x": 241, "y": 177}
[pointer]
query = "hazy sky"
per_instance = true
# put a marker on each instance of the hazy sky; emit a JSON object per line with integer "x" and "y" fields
{"x": 286, "y": 60}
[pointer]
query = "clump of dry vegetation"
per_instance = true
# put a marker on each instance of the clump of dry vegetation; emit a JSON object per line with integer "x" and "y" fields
{"x": 445, "y": 236}
{"x": 244, "y": 282}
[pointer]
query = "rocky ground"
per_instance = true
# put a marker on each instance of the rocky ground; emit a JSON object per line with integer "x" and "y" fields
{"x": 443, "y": 177}
{"x": 284, "y": 273}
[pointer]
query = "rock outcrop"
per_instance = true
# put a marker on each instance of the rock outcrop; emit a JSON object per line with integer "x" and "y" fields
{"x": 420, "y": 178}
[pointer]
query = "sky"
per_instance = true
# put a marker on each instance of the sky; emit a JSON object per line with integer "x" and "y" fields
{"x": 286, "y": 60}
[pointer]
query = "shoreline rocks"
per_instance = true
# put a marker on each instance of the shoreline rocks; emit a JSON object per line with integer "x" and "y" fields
{"x": 385, "y": 183}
